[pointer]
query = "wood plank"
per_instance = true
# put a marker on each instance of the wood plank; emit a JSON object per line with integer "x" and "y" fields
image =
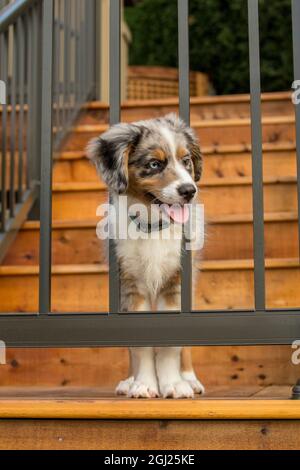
{"x": 274, "y": 391}
{"x": 88, "y": 393}
{"x": 280, "y": 196}
{"x": 208, "y": 107}
{"x": 222, "y": 99}
{"x": 225, "y": 371}
{"x": 210, "y": 132}
{"x": 218, "y": 165}
{"x": 149, "y": 435}
{"x": 206, "y": 150}
{"x": 203, "y": 124}
{"x": 228, "y": 237}
{"x": 80, "y": 288}
{"x": 74, "y": 245}
{"x": 115, "y": 408}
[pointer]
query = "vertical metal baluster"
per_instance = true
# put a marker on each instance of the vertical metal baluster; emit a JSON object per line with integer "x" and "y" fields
{"x": 94, "y": 40}
{"x": 83, "y": 48}
{"x": 115, "y": 114}
{"x": 13, "y": 123}
{"x": 79, "y": 71}
{"x": 67, "y": 62}
{"x": 46, "y": 156}
{"x": 70, "y": 56}
{"x": 35, "y": 103}
{"x": 98, "y": 50}
{"x": 21, "y": 75}
{"x": 86, "y": 58}
{"x": 76, "y": 52}
{"x": 35, "y": 84}
{"x": 4, "y": 65}
{"x": 82, "y": 54}
{"x": 184, "y": 111}
{"x": 57, "y": 71}
{"x": 29, "y": 133}
{"x": 257, "y": 162}
{"x": 65, "y": 81}
{"x": 296, "y": 50}
{"x": 80, "y": 58}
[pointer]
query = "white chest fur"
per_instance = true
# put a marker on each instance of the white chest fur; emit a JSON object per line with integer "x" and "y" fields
{"x": 151, "y": 262}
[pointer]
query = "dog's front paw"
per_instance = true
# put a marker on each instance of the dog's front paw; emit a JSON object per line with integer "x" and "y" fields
{"x": 143, "y": 389}
{"x": 196, "y": 385}
{"x": 180, "y": 389}
{"x": 124, "y": 386}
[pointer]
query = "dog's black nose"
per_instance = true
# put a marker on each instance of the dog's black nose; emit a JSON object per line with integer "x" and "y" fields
{"x": 187, "y": 191}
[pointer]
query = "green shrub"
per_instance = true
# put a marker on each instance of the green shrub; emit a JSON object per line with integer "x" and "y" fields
{"x": 218, "y": 40}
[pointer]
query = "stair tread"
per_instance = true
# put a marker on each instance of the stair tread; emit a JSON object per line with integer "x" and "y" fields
{"x": 273, "y": 403}
{"x": 232, "y": 181}
{"x": 206, "y": 150}
{"x": 222, "y": 122}
{"x": 99, "y": 392}
{"x": 220, "y": 219}
{"x": 276, "y": 96}
{"x": 207, "y": 265}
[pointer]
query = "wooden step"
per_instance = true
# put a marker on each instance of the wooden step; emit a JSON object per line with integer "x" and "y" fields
{"x": 45, "y": 419}
{"x": 73, "y": 242}
{"x": 210, "y": 132}
{"x": 150, "y": 435}
{"x": 101, "y": 404}
{"x": 79, "y": 201}
{"x": 278, "y": 160}
{"x": 206, "y": 107}
{"x": 227, "y": 237}
{"x": 203, "y": 107}
{"x": 83, "y": 288}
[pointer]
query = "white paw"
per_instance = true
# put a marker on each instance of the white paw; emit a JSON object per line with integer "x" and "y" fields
{"x": 180, "y": 389}
{"x": 196, "y": 385}
{"x": 124, "y": 386}
{"x": 142, "y": 389}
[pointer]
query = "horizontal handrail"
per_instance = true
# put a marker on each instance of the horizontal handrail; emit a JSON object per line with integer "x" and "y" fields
{"x": 12, "y": 12}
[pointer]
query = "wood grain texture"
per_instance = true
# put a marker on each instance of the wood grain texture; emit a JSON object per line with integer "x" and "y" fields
{"x": 225, "y": 371}
{"x": 76, "y": 242}
{"x": 65, "y": 155}
{"x": 210, "y": 132}
{"x": 218, "y": 165}
{"x": 83, "y": 288}
{"x": 79, "y": 201}
{"x": 208, "y": 107}
{"x": 149, "y": 435}
{"x": 129, "y": 409}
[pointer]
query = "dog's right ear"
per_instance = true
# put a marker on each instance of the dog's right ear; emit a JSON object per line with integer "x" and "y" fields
{"x": 110, "y": 153}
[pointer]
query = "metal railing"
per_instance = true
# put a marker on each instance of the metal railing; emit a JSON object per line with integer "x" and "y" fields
{"x": 257, "y": 326}
{"x": 29, "y": 64}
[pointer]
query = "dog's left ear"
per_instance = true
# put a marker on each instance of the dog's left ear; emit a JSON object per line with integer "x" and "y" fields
{"x": 197, "y": 158}
{"x": 110, "y": 154}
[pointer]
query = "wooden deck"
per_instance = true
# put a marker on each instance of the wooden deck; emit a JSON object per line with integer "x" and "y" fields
{"x": 248, "y": 418}
{"x": 78, "y": 403}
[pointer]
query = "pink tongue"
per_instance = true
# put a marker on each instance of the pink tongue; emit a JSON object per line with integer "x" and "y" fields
{"x": 180, "y": 214}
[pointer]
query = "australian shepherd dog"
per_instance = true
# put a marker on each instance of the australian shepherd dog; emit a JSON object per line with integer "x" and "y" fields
{"x": 154, "y": 163}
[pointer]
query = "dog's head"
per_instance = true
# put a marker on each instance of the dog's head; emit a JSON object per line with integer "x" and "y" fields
{"x": 156, "y": 161}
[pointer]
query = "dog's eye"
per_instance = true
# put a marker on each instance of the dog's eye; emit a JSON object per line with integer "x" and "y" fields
{"x": 186, "y": 161}
{"x": 155, "y": 164}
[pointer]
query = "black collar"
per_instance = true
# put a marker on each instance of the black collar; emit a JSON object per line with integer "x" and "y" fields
{"x": 148, "y": 228}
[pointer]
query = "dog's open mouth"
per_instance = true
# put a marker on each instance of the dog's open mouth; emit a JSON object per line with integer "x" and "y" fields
{"x": 178, "y": 213}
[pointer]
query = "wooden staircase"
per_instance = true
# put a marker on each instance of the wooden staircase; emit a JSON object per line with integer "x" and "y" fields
{"x": 223, "y": 125}
{"x": 80, "y": 276}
